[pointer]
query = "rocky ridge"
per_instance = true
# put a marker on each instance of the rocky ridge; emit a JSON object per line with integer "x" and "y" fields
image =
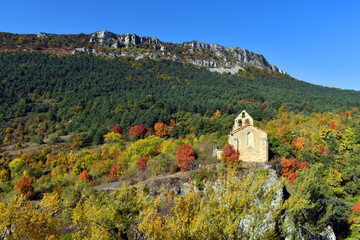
{"x": 212, "y": 56}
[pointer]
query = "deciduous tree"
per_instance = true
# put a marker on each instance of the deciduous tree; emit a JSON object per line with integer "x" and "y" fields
{"x": 184, "y": 156}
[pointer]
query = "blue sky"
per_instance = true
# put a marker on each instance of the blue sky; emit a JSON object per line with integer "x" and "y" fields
{"x": 314, "y": 41}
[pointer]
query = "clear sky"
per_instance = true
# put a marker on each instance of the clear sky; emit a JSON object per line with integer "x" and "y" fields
{"x": 315, "y": 41}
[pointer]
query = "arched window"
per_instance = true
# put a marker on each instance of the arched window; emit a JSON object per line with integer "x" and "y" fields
{"x": 243, "y": 115}
{"x": 247, "y": 121}
{"x": 250, "y": 140}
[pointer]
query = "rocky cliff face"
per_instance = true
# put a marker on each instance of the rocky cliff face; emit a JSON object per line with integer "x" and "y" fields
{"x": 213, "y": 56}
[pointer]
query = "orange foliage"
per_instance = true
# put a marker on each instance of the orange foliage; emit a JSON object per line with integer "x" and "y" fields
{"x": 85, "y": 176}
{"x": 290, "y": 166}
{"x": 298, "y": 144}
{"x": 231, "y": 155}
{"x": 139, "y": 130}
{"x": 333, "y": 125}
{"x": 356, "y": 207}
{"x": 141, "y": 163}
{"x": 159, "y": 129}
{"x": 172, "y": 123}
{"x": 184, "y": 156}
{"x": 25, "y": 186}
{"x": 322, "y": 150}
{"x": 114, "y": 172}
{"x": 149, "y": 132}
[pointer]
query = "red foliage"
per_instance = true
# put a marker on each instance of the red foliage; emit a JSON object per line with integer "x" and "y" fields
{"x": 322, "y": 150}
{"x": 263, "y": 106}
{"x": 141, "y": 163}
{"x": 333, "y": 125}
{"x": 139, "y": 130}
{"x": 356, "y": 207}
{"x": 290, "y": 166}
{"x": 116, "y": 129}
{"x": 231, "y": 155}
{"x": 25, "y": 186}
{"x": 348, "y": 112}
{"x": 114, "y": 172}
{"x": 159, "y": 129}
{"x": 172, "y": 123}
{"x": 184, "y": 156}
{"x": 149, "y": 132}
{"x": 84, "y": 175}
{"x": 304, "y": 165}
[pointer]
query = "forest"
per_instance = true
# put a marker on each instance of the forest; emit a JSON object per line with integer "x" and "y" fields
{"x": 113, "y": 148}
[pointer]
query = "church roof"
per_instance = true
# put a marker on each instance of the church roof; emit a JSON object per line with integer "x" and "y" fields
{"x": 245, "y": 126}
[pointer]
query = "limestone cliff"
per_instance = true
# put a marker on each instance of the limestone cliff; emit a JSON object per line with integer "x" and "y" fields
{"x": 213, "y": 56}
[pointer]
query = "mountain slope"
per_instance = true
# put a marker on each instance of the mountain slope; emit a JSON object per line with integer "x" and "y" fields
{"x": 213, "y": 56}
{"x": 86, "y": 92}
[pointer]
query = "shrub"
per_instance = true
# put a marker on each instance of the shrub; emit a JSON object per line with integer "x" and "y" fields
{"x": 184, "y": 156}
{"x": 55, "y": 139}
{"x": 85, "y": 176}
{"x": 231, "y": 156}
{"x": 116, "y": 129}
{"x": 114, "y": 172}
{"x": 15, "y": 165}
{"x": 4, "y": 175}
{"x": 113, "y": 137}
{"x": 138, "y": 130}
{"x": 141, "y": 163}
{"x": 38, "y": 172}
{"x": 37, "y": 139}
{"x": 160, "y": 163}
{"x": 25, "y": 186}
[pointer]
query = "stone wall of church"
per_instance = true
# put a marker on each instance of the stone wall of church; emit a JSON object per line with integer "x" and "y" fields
{"x": 252, "y": 144}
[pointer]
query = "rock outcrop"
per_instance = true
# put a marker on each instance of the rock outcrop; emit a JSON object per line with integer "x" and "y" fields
{"x": 212, "y": 56}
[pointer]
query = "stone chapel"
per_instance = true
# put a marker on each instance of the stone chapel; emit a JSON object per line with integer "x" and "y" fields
{"x": 252, "y": 142}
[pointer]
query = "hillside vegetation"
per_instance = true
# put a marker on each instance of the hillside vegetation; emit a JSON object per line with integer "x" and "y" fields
{"x": 71, "y": 125}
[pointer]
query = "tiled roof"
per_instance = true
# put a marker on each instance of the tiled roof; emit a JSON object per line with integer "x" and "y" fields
{"x": 245, "y": 126}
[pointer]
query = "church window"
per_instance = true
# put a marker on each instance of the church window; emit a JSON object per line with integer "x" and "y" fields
{"x": 250, "y": 140}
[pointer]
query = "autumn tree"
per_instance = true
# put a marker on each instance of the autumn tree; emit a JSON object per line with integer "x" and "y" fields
{"x": 78, "y": 141}
{"x": 25, "y": 186}
{"x": 141, "y": 163}
{"x": 310, "y": 207}
{"x": 85, "y": 176}
{"x": 113, "y": 137}
{"x": 138, "y": 131}
{"x": 116, "y": 129}
{"x": 20, "y": 219}
{"x": 184, "y": 156}
{"x": 232, "y": 210}
{"x": 160, "y": 129}
{"x": 290, "y": 166}
{"x": 231, "y": 156}
{"x": 108, "y": 216}
{"x": 114, "y": 172}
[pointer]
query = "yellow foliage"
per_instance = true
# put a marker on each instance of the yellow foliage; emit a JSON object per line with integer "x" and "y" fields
{"x": 27, "y": 222}
{"x": 216, "y": 212}
{"x": 4, "y": 175}
{"x": 113, "y": 137}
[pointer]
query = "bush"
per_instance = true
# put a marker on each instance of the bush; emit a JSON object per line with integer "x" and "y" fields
{"x": 55, "y": 139}
{"x": 15, "y": 165}
{"x": 38, "y": 173}
{"x": 184, "y": 156}
{"x": 37, "y": 139}
{"x": 141, "y": 163}
{"x": 85, "y": 176}
{"x": 160, "y": 163}
{"x": 25, "y": 186}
